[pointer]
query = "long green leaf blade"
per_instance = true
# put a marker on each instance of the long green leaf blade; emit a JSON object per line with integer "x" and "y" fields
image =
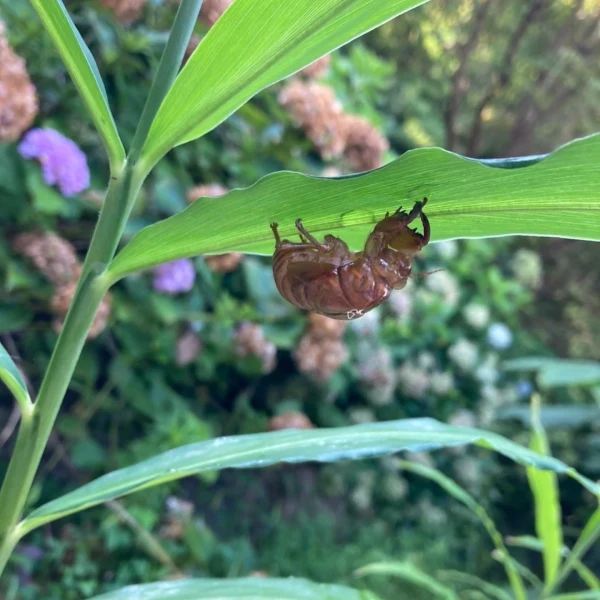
{"x": 553, "y": 372}
{"x": 411, "y": 574}
{"x": 556, "y": 197}
{"x": 459, "y": 493}
{"x": 588, "y": 595}
{"x": 263, "y": 449}
{"x": 250, "y": 588}
{"x": 84, "y": 71}
{"x": 588, "y": 537}
{"x": 12, "y": 378}
{"x": 532, "y": 543}
{"x": 490, "y": 589}
{"x": 548, "y": 515}
{"x": 254, "y": 44}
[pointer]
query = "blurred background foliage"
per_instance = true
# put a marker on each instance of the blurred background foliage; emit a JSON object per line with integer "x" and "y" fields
{"x": 482, "y": 78}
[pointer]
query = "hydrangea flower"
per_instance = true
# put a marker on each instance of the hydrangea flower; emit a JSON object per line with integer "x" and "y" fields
{"x": 361, "y": 415}
{"x": 395, "y": 487}
{"x": 499, "y": 336}
{"x": 448, "y": 250}
{"x": 441, "y": 383}
{"x": 463, "y": 418}
{"x": 463, "y": 353}
{"x": 446, "y": 285}
{"x": 487, "y": 371}
{"x": 476, "y": 315}
{"x": 400, "y": 303}
{"x": 413, "y": 382}
{"x": 527, "y": 267}
{"x": 175, "y": 277}
{"x": 63, "y": 163}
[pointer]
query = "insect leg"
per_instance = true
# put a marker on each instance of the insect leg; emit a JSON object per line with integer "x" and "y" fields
{"x": 426, "y": 228}
{"x": 274, "y": 227}
{"x": 416, "y": 211}
{"x": 309, "y": 237}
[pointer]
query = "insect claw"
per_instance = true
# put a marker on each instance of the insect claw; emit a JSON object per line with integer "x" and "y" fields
{"x": 274, "y": 227}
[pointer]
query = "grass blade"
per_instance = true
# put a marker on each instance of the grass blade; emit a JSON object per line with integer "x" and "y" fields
{"x": 264, "y": 449}
{"x": 544, "y": 487}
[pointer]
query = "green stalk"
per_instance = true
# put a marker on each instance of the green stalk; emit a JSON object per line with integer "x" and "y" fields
{"x": 179, "y": 38}
{"x": 93, "y": 284}
{"x": 34, "y": 432}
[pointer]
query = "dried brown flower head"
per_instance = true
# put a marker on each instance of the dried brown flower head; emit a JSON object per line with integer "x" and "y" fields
{"x": 316, "y": 110}
{"x": 18, "y": 97}
{"x": 250, "y": 341}
{"x": 187, "y": 348}
{"x": 205, "y": 190}
{"x": 320, "y": 358}
{"x": 63, "y": 296}
{"x": 224, "y": 263}
{"x": 320, "y": 326}
{"x": 126, "y": 11}
{"x": 317, "y": 69}
{"x": 364, "y": 146}
{"x": 52, "y": 255}
{"x": 212, "y": 9}
{"x": 290, "y": 420}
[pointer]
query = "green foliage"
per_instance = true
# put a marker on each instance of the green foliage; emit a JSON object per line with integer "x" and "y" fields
{"x": 553, "y": 372}
{"x": 436, "y": 349}
{"x": 272, "y": 45}
{"x": 351, "y": 206}
{"x": 82, "y": 68}
{"x": 12, "y": 378}
{"x": 289, "y": 446}
{"x": 544, "y": 488}
{"x": 248, "y": 589}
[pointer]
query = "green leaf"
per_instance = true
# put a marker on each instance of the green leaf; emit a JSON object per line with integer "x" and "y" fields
{"x": 459, "y": 493}
{"x": 555, "y": 197}
{"x": 46, "y": 199}
{"x": 250, "y": 588}
{"x": 491, "y": 590}
{"x": 544, "y": 486}
{"x": 557, "y": 416}
{"x": 589, "y": 595}
{"x": 587, "y": 538}
{"x": 410, "y": 574}
{"x": 254, "y": 44}
{"x": 532, "y": 543}
{"x": 553, "y": 372}
{"x": 264, "y": 449}
{"x": 12, "y": 378}
{"x": 82, "y": 68}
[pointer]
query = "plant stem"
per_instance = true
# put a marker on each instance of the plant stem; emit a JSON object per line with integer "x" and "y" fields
{"x": 183, "y": 27}
{"x": 92, "y": 286}
{"x": 34, "y": 432}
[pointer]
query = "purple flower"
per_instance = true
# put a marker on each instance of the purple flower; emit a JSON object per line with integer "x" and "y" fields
{"x": 63, "y": 163}
{"x": 174, "y": 277}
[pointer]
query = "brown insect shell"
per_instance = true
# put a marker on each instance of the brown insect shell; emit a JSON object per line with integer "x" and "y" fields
{"x": 341, "y": 284}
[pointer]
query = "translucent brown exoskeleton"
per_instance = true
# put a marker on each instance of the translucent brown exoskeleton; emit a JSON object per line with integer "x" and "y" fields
{"x": 328, "y": 278}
